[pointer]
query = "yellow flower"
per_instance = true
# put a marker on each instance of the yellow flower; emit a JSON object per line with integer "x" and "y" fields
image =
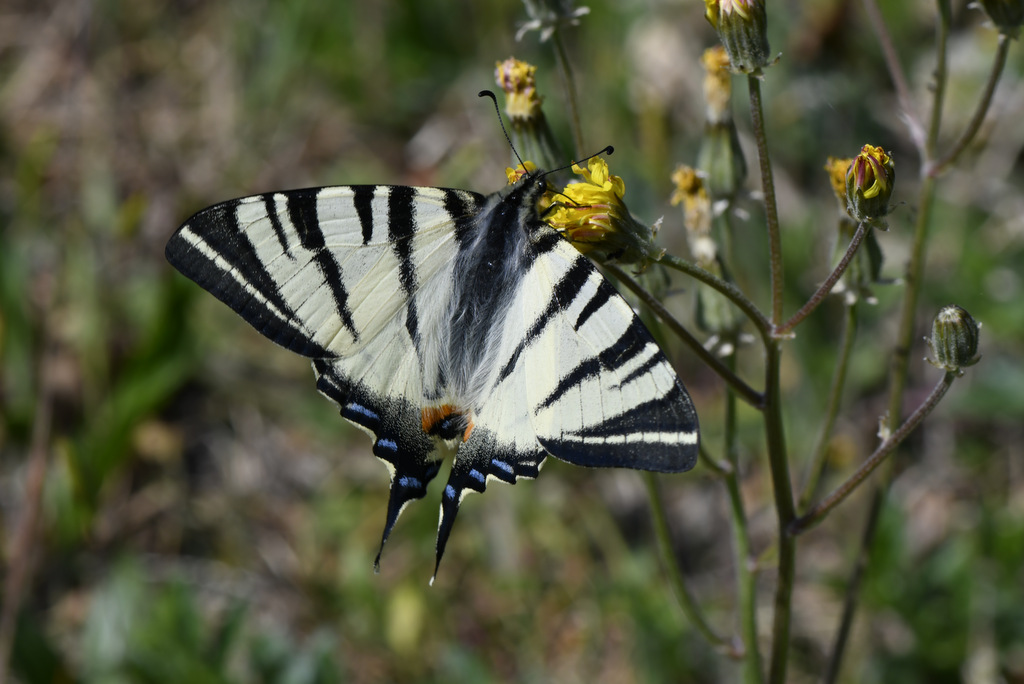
{"x": 590, "y": 210}
{"x": 593, "y": 216}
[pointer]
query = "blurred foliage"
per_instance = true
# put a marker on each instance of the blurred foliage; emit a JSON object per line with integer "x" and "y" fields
{"x": 207, "y": 517}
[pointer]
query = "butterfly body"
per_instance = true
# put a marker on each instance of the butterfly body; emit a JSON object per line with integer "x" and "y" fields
{"x": 441, "y": 317}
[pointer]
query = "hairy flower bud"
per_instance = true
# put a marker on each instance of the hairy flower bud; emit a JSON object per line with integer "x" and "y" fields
{"x": 869, "y": 183}
{"x": 742, "y": 26}
{"x": 954, "y": 340}
{"x": 1007, "y": 15}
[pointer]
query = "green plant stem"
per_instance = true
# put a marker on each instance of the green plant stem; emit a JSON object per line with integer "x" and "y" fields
{"x": 820, "y": 510}
{"x": 768, "y": 187}
{"x": 939, "y": 87}
{"x": 835, "y": 395}
{"x": 785, "y": 511}
{"x": 744, "y": 390}
{"x": 819, "y": 296}
{"x": 726, "y": 288}
{"x": 974, "y": 125}
{"x": 746, "y": 577}
{"x": 682, "y": 591}
{"x": 569, "y": 83}
{"x": 719, "y": 469}
{"x": 853, "y": 586}
{"x": 899, "y": 366}
{"x": 899, "y": 81}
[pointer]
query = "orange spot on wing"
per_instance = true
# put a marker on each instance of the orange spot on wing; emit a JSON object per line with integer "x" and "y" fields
{"x": 432, "y": 415}
{"x": 469, "y": 430}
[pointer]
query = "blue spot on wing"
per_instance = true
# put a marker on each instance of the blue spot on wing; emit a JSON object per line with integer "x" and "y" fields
{"x": 388, "y": 444}
{"x": 477, "y": 475}
{"x": 354, "y": 410}
{"x": 501, "y": 465}
{"x": 407, "y": 481}
{"x": 449, "y": 492}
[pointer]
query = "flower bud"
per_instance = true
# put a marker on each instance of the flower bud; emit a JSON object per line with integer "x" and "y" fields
{"x": 869, "y": 182}
{"x": 531, "y": 134}
{"x": 954, "y": 340}
{"x": 742, "y": 26}
{"x": 1007, "y": 15}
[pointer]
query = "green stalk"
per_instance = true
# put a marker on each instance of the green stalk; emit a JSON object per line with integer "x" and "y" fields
{"x": 726, "y": 288}
{"x": 746, "y": 577}
{"x": 835, "y": 395}
{"x": 684, "y": 595}
{"x": 979, "y": 114}
{"x": 820, "y": 510}
{"x": 569, "y": 83}
{"x": 785, "y": 511}
{"x": 819, "y": 296}
{"x": 768, "y": 187}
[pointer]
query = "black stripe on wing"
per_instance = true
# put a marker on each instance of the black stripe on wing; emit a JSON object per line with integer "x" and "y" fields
{"x": 398, "y": 439}
{"x": 302, "y": 211}
{"x": 659, "y": 435}
{"x": 401, "y": 229}
{"x": 212, "y": 249}
{"x": 566, "y": 290}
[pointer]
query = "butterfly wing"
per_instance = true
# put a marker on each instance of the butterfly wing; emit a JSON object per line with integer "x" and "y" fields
{"x": 352, "y": 277}
{"x": 580, "y": 378}
{"x": 324, "y": 271}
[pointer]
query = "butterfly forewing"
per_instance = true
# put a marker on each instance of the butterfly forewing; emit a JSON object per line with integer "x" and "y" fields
{"x": 441, "y": 316}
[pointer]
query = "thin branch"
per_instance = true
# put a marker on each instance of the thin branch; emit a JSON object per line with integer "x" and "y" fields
{"x": 819, "y": 296}
{"x": 979, "y": 114}
{"x": 853, "y": 586}
{"x": 939, "y": 86}
{"x": 892, "y": 61}
{"x": 682, "y": 591}
{"x": 835, "y": 395}
{"x": 569, "y": 82}
{"x": 746, "y": 575}
{"x": 748, "y": 394}
{"x": 726, "y": 288}
{"x": 768, "y": 187}
{"x": 820, "y": 510}
{"x": 785, "y": 510}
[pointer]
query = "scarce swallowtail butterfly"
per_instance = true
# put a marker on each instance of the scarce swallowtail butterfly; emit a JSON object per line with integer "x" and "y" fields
{"x": 439, "y": 319}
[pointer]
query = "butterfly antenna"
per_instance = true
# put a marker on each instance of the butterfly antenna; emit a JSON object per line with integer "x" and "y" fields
{"x": 607, "y": 151}
{"x": 494, "y": 98}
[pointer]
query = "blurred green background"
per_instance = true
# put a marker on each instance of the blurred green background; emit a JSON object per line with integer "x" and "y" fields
{"x": 207, "y": 516}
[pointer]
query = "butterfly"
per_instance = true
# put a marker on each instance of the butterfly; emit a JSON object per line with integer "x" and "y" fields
{"x": 439, "y": 320}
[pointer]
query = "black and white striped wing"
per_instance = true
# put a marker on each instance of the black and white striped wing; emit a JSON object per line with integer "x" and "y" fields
{"x": 324, "y": 271}
{"x": 582, "y": 380}
{"x": 348, "y": 276}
